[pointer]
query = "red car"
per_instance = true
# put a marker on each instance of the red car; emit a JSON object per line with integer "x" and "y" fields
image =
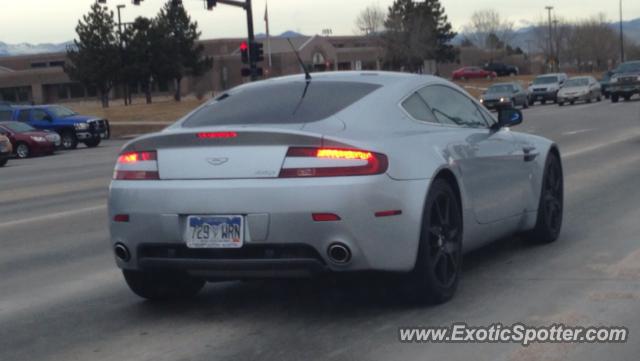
{"x": 27, "y": 140}
{"x": 473, "y": 72}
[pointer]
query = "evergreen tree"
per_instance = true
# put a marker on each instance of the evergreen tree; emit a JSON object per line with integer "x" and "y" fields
{"x": 182, "y": 56}
{"x": 95, "y": 58}
{"x": 416, "y": 32}
{"x": 141, "y": 54}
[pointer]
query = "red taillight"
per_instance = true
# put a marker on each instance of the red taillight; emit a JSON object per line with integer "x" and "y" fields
{"x": 332, "y": 162}
{"x": 121, "y": 218}
{"x": 390, "y": 213}
{"x": 325, "y": 217}
{"x": 137, "y": 166}
{"x": 217, "y": 135}
{"x": 133, "y": 157}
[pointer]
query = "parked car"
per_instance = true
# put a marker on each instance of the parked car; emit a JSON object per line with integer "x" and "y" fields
{"x": 546, "y": 87}
{"x": 5, "y": 150}
{"x": 71, "y": 126}
{"x": 625, "y": 82}
{"x": 6, "y": 112}
{"x": 505, "y": 95}
{"x": 28, "y": 141}
{"x": 473, "y": 72}
{"x": 502, "y": 69}
{"x": 270, "y": 179}
{"x": 581, "y": 88}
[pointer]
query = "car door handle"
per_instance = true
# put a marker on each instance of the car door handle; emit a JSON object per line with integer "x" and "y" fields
{"x": 530, "y": 153}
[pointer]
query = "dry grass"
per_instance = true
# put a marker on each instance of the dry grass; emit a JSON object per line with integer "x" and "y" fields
{"x": 162, "y": 110}
{"x": 476, "y": 87}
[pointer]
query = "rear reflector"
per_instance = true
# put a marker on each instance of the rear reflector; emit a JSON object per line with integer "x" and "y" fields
{"x": 121, "y": 218}
{"x": 325, "y": 217}
{"x": 388, "y": 213}
{"x": 329, "y": 162}
{"x": 137, "y": 166}
{"x": 216, "y": 135}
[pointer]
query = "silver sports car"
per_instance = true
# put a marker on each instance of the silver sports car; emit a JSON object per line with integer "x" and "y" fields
{"x": 342, "y": 172}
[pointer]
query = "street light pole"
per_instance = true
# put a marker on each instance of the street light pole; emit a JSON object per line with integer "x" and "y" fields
{"x": 549, "y": 8}
{"x": 621, "y": 36}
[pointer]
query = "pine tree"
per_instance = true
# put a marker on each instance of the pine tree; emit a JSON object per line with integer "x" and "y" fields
{"x": 94, "y": 57}
{"x": 416, "y": 32}
{"x": 182, "y": 56}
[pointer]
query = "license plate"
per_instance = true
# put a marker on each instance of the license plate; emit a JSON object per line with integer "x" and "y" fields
{"x": 214, "y": 232}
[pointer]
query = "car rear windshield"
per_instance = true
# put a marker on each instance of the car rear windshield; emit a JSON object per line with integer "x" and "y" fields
{"x": 546, "y": 80}
{"x": 577, "y": 82}
{"x": 18, "y": 127}
{"x": 281, "y": 103}
{"x": 501, "y": 89}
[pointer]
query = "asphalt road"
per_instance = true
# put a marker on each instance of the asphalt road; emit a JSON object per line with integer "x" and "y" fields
{"x": 61, "y": 297}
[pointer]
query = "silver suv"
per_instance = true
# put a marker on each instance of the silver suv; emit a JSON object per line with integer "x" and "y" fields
{"x": 545, "y": 88}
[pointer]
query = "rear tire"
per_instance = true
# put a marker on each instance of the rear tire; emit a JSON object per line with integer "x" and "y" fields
{"x": 3, "y": 162}
{"x": 551, "y": 204}
{"x": 561, "y": 104}
{"x": 543, "y": 102}
{"x": 615, "y": 98}
{"x": 92, "y": 143}
{"x": 436, "y": 275}
{"x": 160, "y": 286}
{"x": 68, "y": 140}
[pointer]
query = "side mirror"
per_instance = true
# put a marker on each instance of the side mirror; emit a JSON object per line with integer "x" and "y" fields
{"x": 509, "y": 117}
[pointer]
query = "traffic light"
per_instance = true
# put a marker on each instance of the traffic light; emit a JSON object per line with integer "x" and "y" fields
{"x": 244, "y": 52}
{"x": 136, "y": 2}
{"x": 257, "y": 52}
{"x": 211, "y": 4}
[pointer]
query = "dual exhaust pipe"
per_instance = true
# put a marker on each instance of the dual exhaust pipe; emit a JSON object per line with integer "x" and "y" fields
{"x": 339, "y": 253}
{"x": 122, "y": 252}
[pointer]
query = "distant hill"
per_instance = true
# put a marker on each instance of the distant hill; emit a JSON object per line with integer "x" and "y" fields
{"x": 286, "y": 34}
{"x": 27, "y": 49}
{"x": 523, "y": 35}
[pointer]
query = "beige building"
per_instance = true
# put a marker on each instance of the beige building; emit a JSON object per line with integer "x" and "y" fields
{"x": 41, "y": 78}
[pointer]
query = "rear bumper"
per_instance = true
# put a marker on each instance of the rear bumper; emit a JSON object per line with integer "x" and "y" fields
{"x": 280, "y": 234}
{"x": 536, "y": 96}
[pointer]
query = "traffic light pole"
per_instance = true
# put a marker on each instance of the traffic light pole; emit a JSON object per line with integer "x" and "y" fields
{"x": 246, "y": 5}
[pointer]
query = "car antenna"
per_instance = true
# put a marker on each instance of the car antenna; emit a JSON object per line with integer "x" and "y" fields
{"x": 307, "y": 76}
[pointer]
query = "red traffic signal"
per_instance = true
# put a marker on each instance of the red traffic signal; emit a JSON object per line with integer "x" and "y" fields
{"x": 244, "y": 52}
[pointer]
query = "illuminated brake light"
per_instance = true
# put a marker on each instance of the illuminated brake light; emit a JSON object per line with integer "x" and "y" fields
{"x": 217, "y": 135}
{"x": 343, "y": 154}
{"x": 304, "y": 162}
{"x": 133, "y": 157}
{"x": 137, "y": 166}
{"x": 121, "y": 218}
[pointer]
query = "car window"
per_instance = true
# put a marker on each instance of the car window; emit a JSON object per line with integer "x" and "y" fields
{"x": 5, "y": 114}
{"x": 23, "y": 116}
{"x": 293, "y": 102}
{"x": 38, "y": 114}
{"x": 417, "y": 108}
{"x": 452, "y": 107}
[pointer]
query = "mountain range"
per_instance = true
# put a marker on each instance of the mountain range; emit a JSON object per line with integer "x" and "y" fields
{"x": 523, "y": 36}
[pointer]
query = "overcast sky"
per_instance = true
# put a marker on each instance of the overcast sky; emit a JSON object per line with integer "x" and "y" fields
{"x": 40, "y": 21}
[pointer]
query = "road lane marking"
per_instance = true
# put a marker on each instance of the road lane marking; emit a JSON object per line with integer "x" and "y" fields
{"x": 598, "y": 146}
{"x": 53, "y": 216}
{"x": 578, "y": 131}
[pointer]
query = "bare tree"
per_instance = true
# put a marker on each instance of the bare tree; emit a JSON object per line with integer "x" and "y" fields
{"x": 371, "y": 20}
{"x": 592, "y": 44}
{"x": 487, "y": 30}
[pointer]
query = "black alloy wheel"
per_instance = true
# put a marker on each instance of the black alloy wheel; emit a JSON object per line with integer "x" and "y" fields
{"x": 551, "y": 207}
{"x": 439, "y": 264}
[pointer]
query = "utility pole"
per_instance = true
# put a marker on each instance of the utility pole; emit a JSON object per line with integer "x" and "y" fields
{"x": 125, "y": 85}
{"x": 621, "y": 36}
{"x": 549, "y": 8}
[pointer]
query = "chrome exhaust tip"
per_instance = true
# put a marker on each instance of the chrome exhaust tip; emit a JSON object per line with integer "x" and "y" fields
{"x": 122, "y": 252}
{"x": 339, "y": 253}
